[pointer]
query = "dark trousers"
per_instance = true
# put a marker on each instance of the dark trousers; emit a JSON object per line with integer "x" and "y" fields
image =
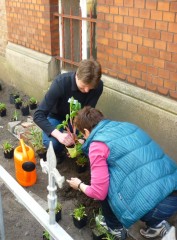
{"x": 162, "y": 211}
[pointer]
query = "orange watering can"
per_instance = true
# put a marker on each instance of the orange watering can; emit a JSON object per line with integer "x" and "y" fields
{"x": 25, "y": 165}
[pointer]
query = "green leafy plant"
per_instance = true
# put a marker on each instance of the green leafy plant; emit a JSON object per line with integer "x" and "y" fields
{"x": 2, "y": 106}
{"x": 79, "y": 212}
{"x": 46, "y": 235}
{"x": 15, "y": 116}
{"x": 32, "y": 100}
{"x": 18, "y": 100}
{"x": 7, "y": 147}
{"x": 109, "y": 236}
{"x": 58, "y": 207}
{"x": 81, "y": 160}
{"x": 36, "y": 139}
{"x": 68, "y": 125}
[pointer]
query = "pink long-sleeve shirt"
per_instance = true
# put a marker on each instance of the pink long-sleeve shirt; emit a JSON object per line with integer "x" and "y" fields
{"x": 98, "y": 154}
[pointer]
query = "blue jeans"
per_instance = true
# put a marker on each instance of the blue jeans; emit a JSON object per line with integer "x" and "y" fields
{"x": 58, "y": 147}
{"x": 162, "y": 211}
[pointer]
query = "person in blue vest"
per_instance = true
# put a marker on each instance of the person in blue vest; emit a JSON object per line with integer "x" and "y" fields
{"x": 130, "y": 174}
{"x": 85, "y": 85}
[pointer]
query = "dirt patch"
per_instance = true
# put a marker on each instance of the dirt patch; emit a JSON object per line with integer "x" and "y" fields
{"x": 19, "y": 224}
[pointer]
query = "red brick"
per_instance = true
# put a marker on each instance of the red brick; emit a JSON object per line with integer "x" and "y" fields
{"x": 149, "y": 23}
{"x": 118, "y": 52}
{"x": 131, "y": 79}
{"x": 113, "y": 27}
{"x": 143, "y": 50}
{"x": 139, "y": 3}
{"x": 122, "y": 45}
{"x": 154, "y": 34}
{"x": 128, "y": 3}
{"x": 121, "y": 28}
{"x": 140, "y": 83}
{"x": 118, "y": 2}
{"x": 166, "y": 55}
{"x": 122, "y": 61}
{"x": 173, "y": 94}
{"x": 164, "y": 6}
{"x": 109, "y": 2}
{"x": 137, "y": 40}
{"x": 159, "y": 63}
{"x": 108, "y": 34}
{"x": 151, "y": 87}
{"x": 127, "y": 38}
{"x": 109, "y": 17}
{"x": 132, "y": 30}
{"x": 152, "y": 70}
{"x": 156, "y": 15}
{"x": 112, "y": 59}
{"x": 103, "y": 9}
{"x": 162, "y": 91}
{"x": 137, "y": 58}
{"x": 160, "y": 25}
{"x": 139, "y": 22}
{"x": 148, "y": 42}
{"x": 164, "y": 73}
{"x": 143, "y": 32}
{"x": 175, "y": 38}
{"x": 112, "y": 43}
{"x": 154, "y": 52}
{"x": 117, "y": 36}
{"x": 133, "y": 12}
{"x": 170, "y": 85}
{"x": 166, "y": 36}
{"x": 128, "y": 20}
{"x": 141, "y": 67}
{"x": 174, "y": 57}
{"x": 132, "y": 47}
{"x": 151, "y": 4}
{"x": 101, "y": 16}
{"x": 114, "y": 10}
{"x": 144, "y": 13}
{"x": 173, "y": 7}
{"x": 173, "y": 76}
{"x": 127, "y": 54}
{"x": 148, "y": 60}
{"x": 158, "y": 81}
{"x": 135, "y": 74}
{"x": 118, "y": 19}
{"x": 171, "y": 66}
{"x": 172, "y": 47}
{"x": 131, "y": 64}
{"x": 160, "y": 45}
{"x": 102, "y": 40}
{"x": 172, "y": 27}
{"x": 123, "y": 11}
{"x": 168, "y": 16}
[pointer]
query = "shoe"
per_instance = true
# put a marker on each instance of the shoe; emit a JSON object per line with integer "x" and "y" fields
{"x": 171, "y": 234}
{"x": 159, "y": 231}
{"x": 119, "y": 233}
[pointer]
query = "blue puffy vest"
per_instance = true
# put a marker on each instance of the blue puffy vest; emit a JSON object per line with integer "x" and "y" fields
{"x": 141, "y": 174}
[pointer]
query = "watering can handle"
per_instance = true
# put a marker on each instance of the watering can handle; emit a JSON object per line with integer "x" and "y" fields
{"x": 24, "y": 149}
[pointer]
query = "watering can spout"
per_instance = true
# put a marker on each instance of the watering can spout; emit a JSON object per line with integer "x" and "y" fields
{"x": 25, "y": 155}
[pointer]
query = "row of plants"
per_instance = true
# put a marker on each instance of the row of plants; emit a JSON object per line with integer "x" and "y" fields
{"x": 80, "y": 220}
{"x": 20, "y": 103}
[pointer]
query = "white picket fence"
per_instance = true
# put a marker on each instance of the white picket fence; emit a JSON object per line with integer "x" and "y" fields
{"x": 46, "y": 220}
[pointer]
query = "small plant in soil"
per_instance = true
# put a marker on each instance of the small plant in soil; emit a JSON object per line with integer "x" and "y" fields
{"x": 2, "y": 109}
{"x": 79, "y": 216}
{"x": 33, "y": 103}
{"x": 57, "y": 211}
{"x": 8, "y": 149}
{"x": 25, "y": 108}
{"x": 13, "y": 96}
{"x": 46, "y": 235}
{"x": 68, "y": 125}
{"x": 37, "y": 142}
{"x": 18, "y": 103}
{"x": 15, "y": 116}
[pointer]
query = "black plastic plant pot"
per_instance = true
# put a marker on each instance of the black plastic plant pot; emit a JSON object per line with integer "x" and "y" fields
{"x": 58, "y": 216}
{"x": 33, "y": 106}
{"x": 18, "y": 105}
{"x": 13, "y": 97}
{"x": 25, "y": 111}
{"x": 9, "y": 155}
{"x": 42, "y": 154}
{"x": 3, "y": 113}
{"x": 80, "y": 223}
{"x": 97, "y": 235}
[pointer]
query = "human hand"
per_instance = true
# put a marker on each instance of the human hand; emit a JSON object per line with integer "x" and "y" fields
{"x": 74, "y": 182}
{"x": 66, "y": 139}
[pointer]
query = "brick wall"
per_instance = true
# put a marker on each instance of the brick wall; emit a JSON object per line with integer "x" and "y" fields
{"x": 31, "y": 24}
{"x": 3, "y": 28}
{"x": 137, "y": 42}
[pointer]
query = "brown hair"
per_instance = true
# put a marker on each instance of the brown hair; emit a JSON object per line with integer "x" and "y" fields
{"x": 89, "y": 72}
{"x": 88, "y": 118}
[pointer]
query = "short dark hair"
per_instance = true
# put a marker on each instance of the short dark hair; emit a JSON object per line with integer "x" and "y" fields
{"x": 88, "y": 118}
{"x": 89, "y": 72}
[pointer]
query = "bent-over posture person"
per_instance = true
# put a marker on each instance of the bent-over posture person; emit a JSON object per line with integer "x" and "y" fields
{"x": 130, "y": 174}
{"x": 84, "y": 85}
